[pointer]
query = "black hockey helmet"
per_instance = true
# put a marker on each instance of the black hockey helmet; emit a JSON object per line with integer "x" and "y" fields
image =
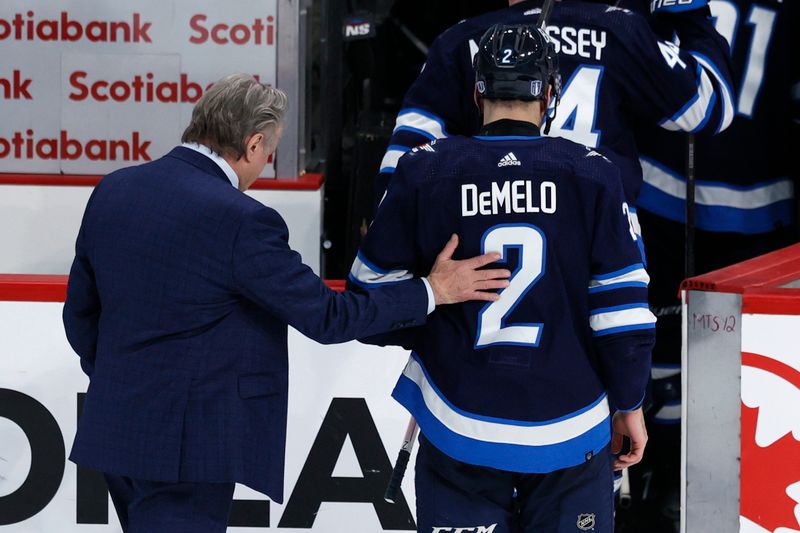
{"x": 516, "y": 62}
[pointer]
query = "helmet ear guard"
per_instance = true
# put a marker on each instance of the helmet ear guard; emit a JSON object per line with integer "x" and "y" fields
{"x": 517, "y": 62}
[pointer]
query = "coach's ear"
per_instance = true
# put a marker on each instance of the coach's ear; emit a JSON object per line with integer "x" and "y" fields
{"x": 251, "y": 146}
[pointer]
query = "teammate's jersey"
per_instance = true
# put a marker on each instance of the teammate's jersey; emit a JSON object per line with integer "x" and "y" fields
{"x": 614, "y": 70}
{"x": 744, "y": 174}
{"x": 525, "y": 383}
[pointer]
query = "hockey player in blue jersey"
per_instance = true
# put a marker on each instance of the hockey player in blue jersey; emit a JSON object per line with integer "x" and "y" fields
{"x": 516, "y": 399}
{"x": 744, "y": 192}
{"x": 616, "y": 71}
{"x": 619, "y": 76}
{"x": 745, "y": 173}
{"x": 744, "y": 197}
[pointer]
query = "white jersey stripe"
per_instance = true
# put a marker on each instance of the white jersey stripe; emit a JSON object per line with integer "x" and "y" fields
{"x": 505, "y": 433}
{"x": 365, "y": 274}
{"x": 389, "y": 162}
{"x": 718, "y": 195}
{"x": 623, "y": 318}
{"x": 633, "y": 216}
{"x": 694, "y": 115}
{"x": 418, "y": 121}
{"x": 635, "y": 276}
{"x": 725, "y": 92}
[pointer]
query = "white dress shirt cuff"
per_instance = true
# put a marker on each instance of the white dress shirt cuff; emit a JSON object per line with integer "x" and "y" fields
{"x": 431, "y": 299}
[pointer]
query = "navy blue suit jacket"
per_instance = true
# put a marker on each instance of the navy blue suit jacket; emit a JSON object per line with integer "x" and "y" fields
{"x": 178, "y": 304}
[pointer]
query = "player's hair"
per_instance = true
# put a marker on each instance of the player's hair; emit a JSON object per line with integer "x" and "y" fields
{"x": 233, "y": 109}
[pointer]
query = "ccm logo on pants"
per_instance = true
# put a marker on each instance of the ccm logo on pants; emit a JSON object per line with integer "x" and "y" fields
{"x": 476, "y": 529}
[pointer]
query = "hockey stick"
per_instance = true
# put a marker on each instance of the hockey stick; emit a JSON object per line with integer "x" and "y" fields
{"x": 544, "y": 16}
{"x": 689, "y": 233}
{"x": 400, "y": 465}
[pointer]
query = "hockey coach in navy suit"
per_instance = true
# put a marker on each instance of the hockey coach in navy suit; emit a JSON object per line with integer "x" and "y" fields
{"x": 178, "y": 305}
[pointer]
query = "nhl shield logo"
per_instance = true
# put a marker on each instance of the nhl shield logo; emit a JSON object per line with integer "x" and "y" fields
{"x": 585, "y": 521}
{"x": 536, "y": 87}
{"x": 481, "y": 87}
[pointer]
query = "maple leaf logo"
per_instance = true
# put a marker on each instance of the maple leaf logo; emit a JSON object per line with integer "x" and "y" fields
{"x": 770, "y": 472}
{"x": 772, "y": 396}
{"x": 793, "y": 491}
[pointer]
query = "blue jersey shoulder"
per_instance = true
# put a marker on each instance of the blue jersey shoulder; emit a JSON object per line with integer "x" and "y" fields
{"x": 416, "y": 164}
{"x": 618, "y": 20}
{"x": 447, "y": 156}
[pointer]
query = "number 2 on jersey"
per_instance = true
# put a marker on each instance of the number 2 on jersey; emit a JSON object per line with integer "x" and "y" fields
{"x": 530, "y": 241}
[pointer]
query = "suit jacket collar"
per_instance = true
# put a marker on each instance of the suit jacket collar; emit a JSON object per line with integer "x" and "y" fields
{"x": 198, "y": 160}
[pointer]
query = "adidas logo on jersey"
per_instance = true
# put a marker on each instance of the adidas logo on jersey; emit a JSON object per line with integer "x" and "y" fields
{"x": 509, "y": 160}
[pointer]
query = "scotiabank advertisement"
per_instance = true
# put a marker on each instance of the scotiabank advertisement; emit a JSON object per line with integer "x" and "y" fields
{"x": 89, "y": 86}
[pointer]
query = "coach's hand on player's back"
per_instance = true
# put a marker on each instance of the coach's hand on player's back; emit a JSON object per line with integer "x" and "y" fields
{"x": 458, "y": 281}
{"x": 628, "y": 424}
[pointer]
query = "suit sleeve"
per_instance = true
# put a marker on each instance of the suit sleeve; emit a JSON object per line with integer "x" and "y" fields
{"x": 269, "y": 273}
{"x": 435, "y": 105}
{"x": 81, "y": 313}
{"x": 622, "y": 326}
{"x": 389, "y": 253}
{"x": 686, "y": 88}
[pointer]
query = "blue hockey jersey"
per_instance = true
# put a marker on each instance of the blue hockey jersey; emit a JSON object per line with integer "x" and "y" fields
{"x": 526, "y": 383}
{"x": 743, "y": 175}
{"x": 614, "y": 70}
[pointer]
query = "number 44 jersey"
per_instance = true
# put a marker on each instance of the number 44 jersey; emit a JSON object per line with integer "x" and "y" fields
{"x": 527, "y": 383}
